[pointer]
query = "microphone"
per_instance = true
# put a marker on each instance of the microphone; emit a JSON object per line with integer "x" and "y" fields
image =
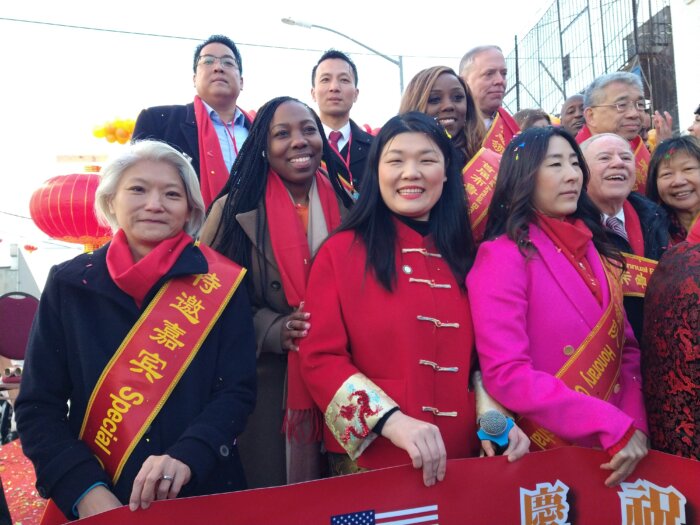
{"x": 494, "y": 427}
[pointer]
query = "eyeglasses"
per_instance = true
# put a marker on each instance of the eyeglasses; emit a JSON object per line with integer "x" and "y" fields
{"x": 622, "y": 107}
{"x": 225, "y": 61}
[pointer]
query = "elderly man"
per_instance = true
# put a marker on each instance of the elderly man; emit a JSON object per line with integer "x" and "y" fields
{"x": 484, "y": 70}
{"x": 212, "y": 129}
{"x": 614, "y": 103}
{"x": 636, "y": 225}
{"x": 334, "y": 89}
{"x": 572, "y": 114}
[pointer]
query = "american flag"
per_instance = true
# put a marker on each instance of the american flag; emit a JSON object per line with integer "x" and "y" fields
{"x": 427, "y": 515}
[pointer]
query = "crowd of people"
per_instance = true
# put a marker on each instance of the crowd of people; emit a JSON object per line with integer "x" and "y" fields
{"x": 288, "y": 297}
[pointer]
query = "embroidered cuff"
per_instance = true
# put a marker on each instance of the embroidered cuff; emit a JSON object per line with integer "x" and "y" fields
{"x": 356, "y": 408}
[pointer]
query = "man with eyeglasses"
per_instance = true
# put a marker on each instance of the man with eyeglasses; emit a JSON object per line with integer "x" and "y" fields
{"x": 614, "y": 103}
{"x": 212, "y": 129}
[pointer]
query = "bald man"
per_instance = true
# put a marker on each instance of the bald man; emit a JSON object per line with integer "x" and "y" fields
{"x": 572, "y": 114}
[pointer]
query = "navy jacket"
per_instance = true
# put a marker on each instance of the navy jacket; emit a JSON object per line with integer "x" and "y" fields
{"x": 82, "y": 319}
{"x": 361, "y": 141}
{"x": 175, "y": 125}
{"x": 654, "y": 222}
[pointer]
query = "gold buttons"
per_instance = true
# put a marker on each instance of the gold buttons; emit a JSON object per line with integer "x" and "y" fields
{"x": 617, "y": 388}
{"x": 568, "y": 350}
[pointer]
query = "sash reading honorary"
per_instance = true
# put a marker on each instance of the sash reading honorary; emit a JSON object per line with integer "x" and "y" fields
{"x": 152, "y": 358}
{"x": 593, "y": 367}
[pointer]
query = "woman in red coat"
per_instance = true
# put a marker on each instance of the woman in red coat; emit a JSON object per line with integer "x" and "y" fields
{"x": 389, "y": 352}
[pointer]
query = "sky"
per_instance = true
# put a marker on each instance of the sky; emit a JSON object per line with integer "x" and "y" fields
{"x": 60, "y": 82}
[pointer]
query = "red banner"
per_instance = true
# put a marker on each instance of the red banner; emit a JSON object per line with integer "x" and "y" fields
{"x": 561, "y": 486}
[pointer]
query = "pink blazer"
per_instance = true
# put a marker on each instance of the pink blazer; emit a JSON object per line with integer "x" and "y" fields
{"x": 525, "y": 311}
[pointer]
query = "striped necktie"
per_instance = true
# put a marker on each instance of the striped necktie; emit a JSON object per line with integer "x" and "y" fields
{"x": 615, "y": 224}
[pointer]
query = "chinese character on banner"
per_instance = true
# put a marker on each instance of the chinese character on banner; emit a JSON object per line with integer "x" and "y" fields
{"x": 207, "y": 282}
{"x": 150, "y": 365}
{"x": 169, "y": 335}
{"x": 643, "y": 503}
{"x": 546, "y": 505}
{"x": 189, "y": 306}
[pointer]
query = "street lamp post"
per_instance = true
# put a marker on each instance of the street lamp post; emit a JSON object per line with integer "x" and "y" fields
{"x": 397, "y": 62}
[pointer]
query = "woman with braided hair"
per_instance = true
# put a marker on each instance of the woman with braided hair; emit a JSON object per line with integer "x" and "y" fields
{"x": 276, "y": 209}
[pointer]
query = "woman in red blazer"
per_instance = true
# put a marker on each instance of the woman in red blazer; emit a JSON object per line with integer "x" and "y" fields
{"x": 389, "y": 352}
{"x": 553, "y": 340}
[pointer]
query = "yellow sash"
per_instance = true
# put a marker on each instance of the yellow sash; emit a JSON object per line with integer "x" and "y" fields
{"x": 152, "y": 358}
{"x": 636, "y": 277}
{"x": 641, "y": 162}
{"x": 593, "y": 367}
{"x": 479, "y": 176}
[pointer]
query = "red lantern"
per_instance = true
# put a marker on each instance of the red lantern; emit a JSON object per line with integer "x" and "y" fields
{"x": 63, "y": 208}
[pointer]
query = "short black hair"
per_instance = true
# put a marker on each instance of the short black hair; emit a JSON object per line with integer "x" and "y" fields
{"x": 697, "y": 111}
{"x": 219, "y": 39}
{"x": 334, "y": 54}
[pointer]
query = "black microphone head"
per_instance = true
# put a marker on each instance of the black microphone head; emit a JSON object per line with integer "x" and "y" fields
{"x": 493, "y": 423}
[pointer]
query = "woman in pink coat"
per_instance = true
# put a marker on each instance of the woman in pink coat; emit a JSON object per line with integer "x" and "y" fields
{"x": 554, "y": 344}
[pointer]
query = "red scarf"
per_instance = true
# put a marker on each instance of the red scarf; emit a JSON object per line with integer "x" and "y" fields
{"x": 290, "y": 247}
{"x": 572, "y": 236}
{"x": 633, "y": 227}
{"x": 213, "y": 172}
{"x": 136, "y": 279}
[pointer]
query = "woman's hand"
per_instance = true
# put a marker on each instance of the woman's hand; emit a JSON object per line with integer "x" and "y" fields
{"x": 624, "y": 462}
{"x": 160, "y": 477}
{"x": 518, "y": 445}
{"x": 295, "y": 326}
{"x": 423, "y": 443}
{"x": 98, "y": 500}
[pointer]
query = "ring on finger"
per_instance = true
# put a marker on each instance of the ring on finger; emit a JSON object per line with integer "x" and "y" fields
{"x": 288, "y": 325}
{"x": 165, "y": 477}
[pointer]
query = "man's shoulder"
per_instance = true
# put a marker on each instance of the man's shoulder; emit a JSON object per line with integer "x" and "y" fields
{"x": 169, "y": 111}
{"x": 360, "y": 134}
{"x": 645, "y": 207}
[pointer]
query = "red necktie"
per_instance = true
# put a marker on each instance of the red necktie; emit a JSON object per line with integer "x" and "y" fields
{"x": 333, "y": 138}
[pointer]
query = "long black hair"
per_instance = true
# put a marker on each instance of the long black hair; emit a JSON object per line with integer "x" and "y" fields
{"x": 246, "y": 185}
{"x": 512, "y": 207}
{"x": 371, "y": 219}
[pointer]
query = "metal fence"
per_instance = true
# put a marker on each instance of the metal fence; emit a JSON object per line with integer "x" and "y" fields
{"x": 578, "y": 40}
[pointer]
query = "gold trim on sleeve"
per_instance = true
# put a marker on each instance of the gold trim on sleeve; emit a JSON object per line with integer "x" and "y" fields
{"x": 357, "y": 406}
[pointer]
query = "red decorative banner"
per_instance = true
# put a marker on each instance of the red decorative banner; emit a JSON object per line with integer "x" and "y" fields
{"x": 636, "y": 277}
{"x": 561, "y": 486}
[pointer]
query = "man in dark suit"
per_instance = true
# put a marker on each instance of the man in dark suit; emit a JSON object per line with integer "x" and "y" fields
{"x": 334, "y": 89}
{"x": 213, "y": 123}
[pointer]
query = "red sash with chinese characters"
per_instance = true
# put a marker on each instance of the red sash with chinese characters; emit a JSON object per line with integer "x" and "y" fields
{"x": 641, "y": 164}
{"x": 593, "y": 367}
{"x": 502, "y": 130}
{"x": 479, "y": 176}
{"x": 152, "y": 358}
{"x": 636, "y": 277}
